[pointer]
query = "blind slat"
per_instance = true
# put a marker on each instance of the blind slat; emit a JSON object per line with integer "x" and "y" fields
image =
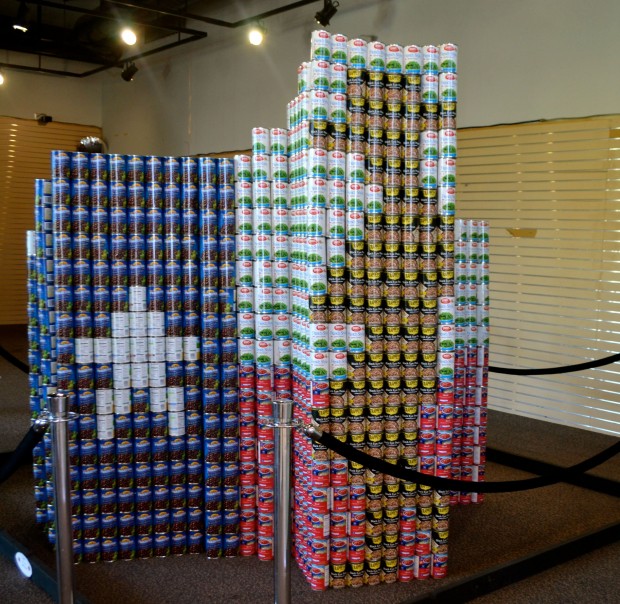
{"x": 555, "y": 297}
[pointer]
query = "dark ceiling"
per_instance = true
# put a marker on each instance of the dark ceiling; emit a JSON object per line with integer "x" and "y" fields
{"x": 83, "y": 34}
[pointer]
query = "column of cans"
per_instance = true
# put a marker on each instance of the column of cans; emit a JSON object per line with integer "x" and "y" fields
{"x": 315, "y": 112}
{"x": 41, "y": 331}
{"x": 195, "y": 371}
{"x": 355, "y": 303}
{"x": 246, "y": 333}
{"x": 256, "y": 301}
{"x": 482, "y": 359}
{"x": 229, "y": 374}
{"x": 364, "y": 235}
{"x": 412, "y": 357}
{"x": 446, "y": 60}
{"x": 427, "y": 291}
{"x": 219, "y": 350}
{"x": 263, "y": 278}
{"x": 133, "y": 428}
{"x": 72, "y": 275}
{"x": 57, "y": 347}
{"x": 180, "y": 469}
{"x": 63, "y": 280}
{"x": 335, "y": 315}
{"x": 384, "y": 281}
{"x": 298, "y": 142}
{"x": 128, "y": 444}
{"x": 471, "y": 252}
{"x": 164, "y": 448}
{"x": 461, "y": 456}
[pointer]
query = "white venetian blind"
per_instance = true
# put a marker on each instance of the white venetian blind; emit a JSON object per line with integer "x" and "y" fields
{"x": 25, "y": 155}
{"x": 551, "y": 193}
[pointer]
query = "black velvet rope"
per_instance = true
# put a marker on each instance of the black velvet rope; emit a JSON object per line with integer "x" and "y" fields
{"x": 614, "y": 358}
{"x": 5, "y": 354}
{"x": 436, "y": 482}
{"x": 25, "y": 447}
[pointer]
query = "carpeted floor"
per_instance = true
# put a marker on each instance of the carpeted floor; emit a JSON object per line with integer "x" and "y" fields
{"x": 506, "y": 527}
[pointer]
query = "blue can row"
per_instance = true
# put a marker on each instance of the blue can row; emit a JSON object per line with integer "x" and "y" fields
{"x": 138, "y": 168}
{"x": 114, "y": 167}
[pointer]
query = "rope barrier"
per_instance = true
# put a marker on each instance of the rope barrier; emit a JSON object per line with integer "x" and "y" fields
{"x": 436, "y": 482}
{"x": 614, "y": 358}
{"x": 29, "y": 442}
{"x": 11, "y": 358}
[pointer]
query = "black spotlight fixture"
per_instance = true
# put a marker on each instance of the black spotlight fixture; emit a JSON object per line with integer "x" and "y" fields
{"x": 330, "y": 8}
{"x": 129, "y": 70}
{"x": 21, "y": 21}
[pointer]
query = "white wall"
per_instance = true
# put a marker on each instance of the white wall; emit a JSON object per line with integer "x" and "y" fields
{"x": 73, "y": 100}
{"x": 519, "y": 60}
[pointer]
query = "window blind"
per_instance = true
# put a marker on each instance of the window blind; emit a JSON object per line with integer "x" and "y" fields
{"x": 25, "y": 155}
{"x": 551, "y": 193}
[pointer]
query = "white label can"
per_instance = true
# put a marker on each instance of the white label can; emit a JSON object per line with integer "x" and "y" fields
{"x": 263, "y": 326}
{"x": 320, "y": 45}
{"x": 279, "y": 194}
{"x": 412, "y": 59}
{"x": 394, "y": 58}
{"x": 282, "y": 325}
{"x": 157, "y": 375}
{"x": 176, "y": 423}
{"x": 157, "y": 398}
{"x": 339, "y": 49}
{"x": 104, "y": 401}
{"x": 319, "y": 336}
{"x": 448, "y": 57}
{"x": 338, "y": 336}
{"x": 430, "y": 59}
{"x": 336, "y": 219}
{"x": 260, "y": 140}
{"x": 430, "y": 88}
{"x": 122, "y": 401}
{"x": 120, "y": 350}
{"x": 448, "y": 87}
{"x": 357, "y": 49}
{"x": 337, "y": 365}
{"x": 121, "y": 375}
{"x": 105, "y": 426}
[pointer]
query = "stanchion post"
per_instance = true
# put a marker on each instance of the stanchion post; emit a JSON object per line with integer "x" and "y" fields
{"x": 59, "y": 416}
{"x": 283, "y": 426}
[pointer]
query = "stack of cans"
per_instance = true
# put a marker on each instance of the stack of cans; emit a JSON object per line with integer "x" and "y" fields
{"x": 172, "y": 299}
{"x": 143, "y": 277}
{"x": 389, "y": 270}
{"x": 472, "y": 355}
{"x": 263, "y": 294}
{"x": 41, "y": 339}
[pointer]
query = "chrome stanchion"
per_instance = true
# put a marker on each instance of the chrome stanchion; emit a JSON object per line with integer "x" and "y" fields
{"x": 59, "y": 418}
{"x": 283, "y": 425}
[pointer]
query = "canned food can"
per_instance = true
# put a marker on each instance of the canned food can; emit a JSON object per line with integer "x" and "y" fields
{"x": 430, "y": 87}
{"x": 357, "y": 49}
{"x": 278, "y": 141}
{"x": 376, "y": 56}
{"x": 394, "y": 58}
{"x": 448, "y": 57}
{"x": 260, "y": 140}
{"x": 320, "y": 45}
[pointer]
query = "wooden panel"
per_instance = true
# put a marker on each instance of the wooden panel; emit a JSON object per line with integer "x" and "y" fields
{"x": 555, "y": 297}
{"x": 25, "y": 148}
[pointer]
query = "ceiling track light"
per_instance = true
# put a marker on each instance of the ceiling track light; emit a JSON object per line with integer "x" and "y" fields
{"x": 128, "y": 36}
{"x": 330, "y": 8}
{"x": 21, "y": 21}
{"x": 129, "y": 71}
{"x": 257, "y": 33}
